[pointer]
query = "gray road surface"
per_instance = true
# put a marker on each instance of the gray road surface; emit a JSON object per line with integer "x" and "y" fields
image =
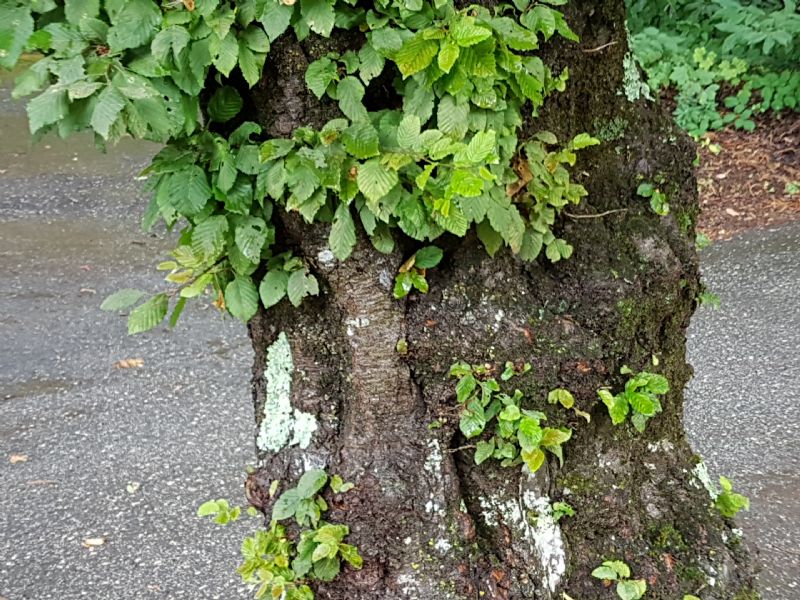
{"x": 180, "y": 427}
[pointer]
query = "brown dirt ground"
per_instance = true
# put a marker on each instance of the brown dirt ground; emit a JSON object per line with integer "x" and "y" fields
{"x": 754, "y": 181}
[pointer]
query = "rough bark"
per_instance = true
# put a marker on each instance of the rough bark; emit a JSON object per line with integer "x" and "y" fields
{"x": 429, "y": 523}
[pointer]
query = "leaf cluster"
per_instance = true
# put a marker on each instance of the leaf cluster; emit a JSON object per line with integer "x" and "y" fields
{"x": 640, "y": 398}
{"x": 518, "y": 436}
{"x": 728, "y": 502}
{"x": 617, "y": 570}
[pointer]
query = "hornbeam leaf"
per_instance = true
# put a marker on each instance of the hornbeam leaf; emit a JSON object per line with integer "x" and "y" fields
{"x": 148, "y": 315}
{"x": 342, "y": 238}
{"x": 375, "y": 180}
{"x": 241, "y": 298}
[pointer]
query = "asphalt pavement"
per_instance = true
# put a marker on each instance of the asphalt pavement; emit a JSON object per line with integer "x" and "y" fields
{"x": 92, "y": 453}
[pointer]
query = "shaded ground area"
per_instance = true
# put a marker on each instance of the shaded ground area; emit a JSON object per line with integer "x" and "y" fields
{"x": 78, "y": 434}
{"x": 754, "y": 178}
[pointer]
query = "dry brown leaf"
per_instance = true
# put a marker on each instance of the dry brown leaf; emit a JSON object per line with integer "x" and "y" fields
{"x": 129, "y": 363}
{"x": 189, "y": 4}
{"x": 93, "y": 542}
{"x": 18, "y": 458}
{"x": 733, "y": 213}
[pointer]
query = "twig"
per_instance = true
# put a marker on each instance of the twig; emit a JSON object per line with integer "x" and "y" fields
{"x": 467, "y": 447}
{"x": 598, "y": 215}
{"x": 600, "y": 48}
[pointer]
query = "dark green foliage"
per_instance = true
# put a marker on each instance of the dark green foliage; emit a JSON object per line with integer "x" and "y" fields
{"x": 727, "y": 59}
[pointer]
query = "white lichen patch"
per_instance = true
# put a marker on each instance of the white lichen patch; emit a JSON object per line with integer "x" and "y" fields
{"x": 548, "y": 543}
{"x": 433, "y": 462}
{"x": 282, "y": 425}
{"x": 442, "y": 546}
{"x": 661, "y": 445}
{"x": 700, "y": 473}
{"x": 356, "y": 323}
{"x": 326, "y": 258}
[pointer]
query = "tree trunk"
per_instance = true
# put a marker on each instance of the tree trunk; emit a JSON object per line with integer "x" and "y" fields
{"x": 429, "y": 523}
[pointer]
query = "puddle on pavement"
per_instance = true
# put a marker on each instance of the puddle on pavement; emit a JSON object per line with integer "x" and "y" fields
{"x": 35, "y": 387}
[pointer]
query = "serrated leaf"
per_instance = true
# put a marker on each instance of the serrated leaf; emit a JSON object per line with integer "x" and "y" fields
{"x": 320, "y": 74}
{"x": 350, "y": 92}
{"x": 241, "y": 298}
{"x": 108, "y": 107}
{"x": 227, "y": 54}
{"x": 121, "y": 300}
{"x": 562, "y": 396}
{"x": 415, "y": 55}
{"x": 16, "y": 26}
{"x": 276, "y": 18}
{"x": 47, "y": 108}
{"x": 481, "y": 147}
{"x": 558, "y": 249}
{"x": 489, "y": 237}
{"x": 300, "y": 285}
{"x": 428, "y": 257}
{"x": 466, "y": 32}
{"x": 311, "y": 482}
{"x": 273, "y": 287}
{"x": 189, "y": 190}
{"x": 408, "y": 132}
{"x": 224, "y": 104}
{"x": 250, "y": 63}
{"x": 174, "y": 38}
{"x": 134, "y": 24}
{"x": 319, "y": 15}
{"x": 208, "y": 237}
{"x": 484, "y": 450}
{"x": 148, "y": 315}
{"x": 371, "y": 63}
{"x": 375, "y": 180}
{"x": 361, "y": 140}
{"x": 452, "y": 116}
{"x": 448, "y": 55}
{"x": 250, "y": 237}
{"x": 342, "y": 238}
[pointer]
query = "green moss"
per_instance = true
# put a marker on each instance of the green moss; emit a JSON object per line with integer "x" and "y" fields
{"x": 668, "y": 538}
{"x": 609, "y": 131}
{"x": 692, "y": 576}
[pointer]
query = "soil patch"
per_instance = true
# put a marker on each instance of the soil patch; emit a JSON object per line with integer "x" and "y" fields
{"x": 754, "y": 181}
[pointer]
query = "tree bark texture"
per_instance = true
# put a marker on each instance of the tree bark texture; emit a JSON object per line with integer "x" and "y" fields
{"x": 430, "y": 524}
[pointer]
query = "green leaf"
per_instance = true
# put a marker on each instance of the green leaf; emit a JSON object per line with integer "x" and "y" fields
{"x": 121, "y": 300}
{"x": 351, "y": 555}
{"x": 452, "y": 116}
{"x": 534, "y": 459}
{"x": 350, "y": 92}
{"x": 190, "y": 190}
{"x": 16, "y": 26}
{"x": 375, "y": 180}
{"x": 311, "y": 482}
{"x": 622, "y": 569}
{"x": 109, "y": 105}
{"x": 415, "y": 55}
{"x": 224, "y": 104}
{"x": 241, "y": 298}
{"x": 319, "y": 15}
{"x": 320, "y": 74}
{"x": 174, "y": 38}
{"x": 642, "y": 403}
{"x": 484, "y": 450}
{"x": 361, "y": 140}
{"x": 466, "y": 32}
{"x": 47, "y": 108}
{"x": 208, "y": 237}
{"x": 227, "y": 54}
{"x": 250, "y": 236}
{"x": 148, "y": 315}
{"x": 371, "y": 63}
{"x": 562, "y": 396}
{"x": 77, "y": 10}
{"x": 428, "y": 257}
{"x": 473, "y": 419}
{"x": 489, "y": 237}
{"x": 558, "y": 249}
{"x": 276, "y": 18}
{"x": 605, "y": 573}
{"x": 481, "y": 147}
{"x": 250, "y": 63}
{"x": 448, "y": 55}
{"x": 273, "y": 287}
{"x": 342, "y": 238}
{"x": 300, "y": 285}
{"x": 286, "y": 505}
{"x": 645, "y": 190}
{"x": 207, "y": 509}
{"x": 631, "y": 589}
{"x": 583, "y": 140}
{"x": 408, "y": 132}
{"x": 134, "y": 24}
{"x": 529, "y": 434}
{"x": 326, "y": 569}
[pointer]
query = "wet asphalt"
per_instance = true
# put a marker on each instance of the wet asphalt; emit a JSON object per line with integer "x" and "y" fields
{"x": 88, "y": 450}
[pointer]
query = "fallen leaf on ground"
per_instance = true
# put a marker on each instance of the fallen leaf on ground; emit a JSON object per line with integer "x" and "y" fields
{"x": 733, "y": 213}
{"x": 133, "y": 487}
{"x": 93, "y": 542}
{"x": 129, "y": 363}
{"x": 18, "y": 458}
